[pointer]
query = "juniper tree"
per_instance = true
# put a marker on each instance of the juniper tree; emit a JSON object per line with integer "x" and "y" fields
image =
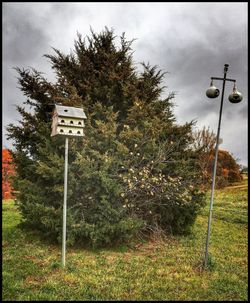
{"x": 134, "y": 169}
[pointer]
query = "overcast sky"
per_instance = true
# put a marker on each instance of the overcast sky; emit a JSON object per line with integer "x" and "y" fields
{"x": 190, "y": 41}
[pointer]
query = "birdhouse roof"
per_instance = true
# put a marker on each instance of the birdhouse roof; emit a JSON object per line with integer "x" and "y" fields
{"x": 69, "y": 111}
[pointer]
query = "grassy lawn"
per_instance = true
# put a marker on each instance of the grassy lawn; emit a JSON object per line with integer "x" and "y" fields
{"x": 156, "y": 270}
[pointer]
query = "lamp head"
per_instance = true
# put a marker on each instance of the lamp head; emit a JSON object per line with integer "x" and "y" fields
{"x": 212, "y": 91}
{"x": 235, "y": 96}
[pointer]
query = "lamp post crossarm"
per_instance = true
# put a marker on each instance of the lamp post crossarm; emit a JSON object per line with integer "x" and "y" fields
{"x": 216, "y": 78}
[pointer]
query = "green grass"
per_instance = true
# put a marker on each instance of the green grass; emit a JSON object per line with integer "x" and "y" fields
{"x": 156, "y": 270}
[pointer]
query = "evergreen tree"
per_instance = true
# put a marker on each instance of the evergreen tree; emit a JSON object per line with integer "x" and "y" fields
{"x": 133, "y": 171}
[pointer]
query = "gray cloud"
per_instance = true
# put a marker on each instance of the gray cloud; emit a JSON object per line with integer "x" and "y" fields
{"x": 192, "y": 41}
{"x": 19, "y": 48}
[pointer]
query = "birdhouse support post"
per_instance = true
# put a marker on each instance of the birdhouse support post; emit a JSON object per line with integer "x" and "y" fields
{"x": 65, "y": 201}
{"x": 67, "y": 121}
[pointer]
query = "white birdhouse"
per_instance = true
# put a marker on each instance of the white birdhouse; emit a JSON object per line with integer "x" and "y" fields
{"x": 68, "y": 121}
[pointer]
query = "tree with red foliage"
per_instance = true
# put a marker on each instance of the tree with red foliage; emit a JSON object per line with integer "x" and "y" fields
{"x": 228, "y": 170}
{"x": 8, "y": 170}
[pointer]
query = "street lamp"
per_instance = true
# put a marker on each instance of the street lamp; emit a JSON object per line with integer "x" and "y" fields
{"x": 234, "y": 97}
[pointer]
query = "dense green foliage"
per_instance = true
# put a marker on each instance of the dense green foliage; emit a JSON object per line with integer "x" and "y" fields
{"x": 133, "y": 172}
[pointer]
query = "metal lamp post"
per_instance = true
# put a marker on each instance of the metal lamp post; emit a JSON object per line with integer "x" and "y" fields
{"x": 234, "y": 97}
